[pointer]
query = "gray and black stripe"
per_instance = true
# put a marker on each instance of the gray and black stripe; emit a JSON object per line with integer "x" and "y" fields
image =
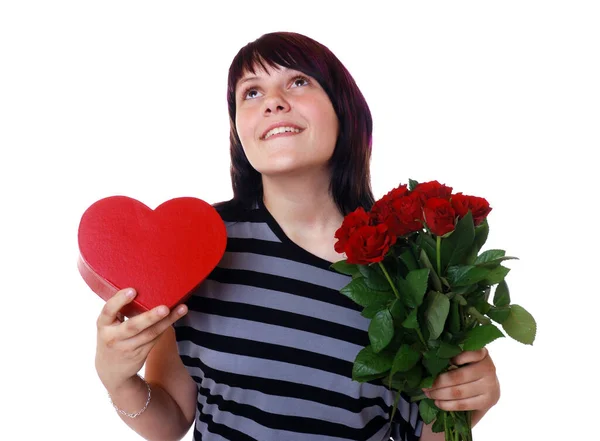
{"x": 270, "y": 342}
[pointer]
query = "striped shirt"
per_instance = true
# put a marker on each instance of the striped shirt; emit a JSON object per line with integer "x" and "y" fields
{"x": 270, "y": 342}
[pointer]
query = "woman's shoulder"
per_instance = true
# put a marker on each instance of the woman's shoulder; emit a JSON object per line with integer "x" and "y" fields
{"x": 232, "y": 210}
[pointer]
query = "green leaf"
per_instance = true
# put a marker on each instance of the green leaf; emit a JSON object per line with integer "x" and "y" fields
{"x": 369, "y": 365}
{"x": 371, "y": 310}
{"x": 494, "y": 263}
{"x": 405, "y": 359}
{"x": 478, "y": 299}
{"x": 460, "y": 300}
{"x": 411, "y": 321}
{"x": 497, "y": 275}
{"x": 492, "y": 258}
{"x": 374, "y": 279}
{"x": 446, "y": 350}
{"x": 398, "y": 310}
{"x": 439, "y": 425}
{"x": 344, "y": 267}
{"x": 427, "y": 244}
{"x": 499, "y": 313}
{"x": 417, "y": 281}
{"x": 457, "y": 246}
{"x": 463, "y": 275}
{"x": 520, "y": 325}
{"x": 397, "y": 382}
{"x": 464, "y": 290}
{"x": 408, "y": 259}
{"x": 480, "y": 336}
{"x": 437, "y": 284}
{"x": 381, "y": 330}
{"x": 436, "y": 313}
{"x": 433, "y": 363}
{"x": 489, "y": 255}
{"x": 481, "y": 234}
{"x": 427, "y": 382}
{"x": 428, "y": 410}
{"x": 474, "y": 312}
{"x": 360, "y": 293}
{"x": 412, "y": 184}
{"x": 454, "y": 318}
{"x": 405, "y": 292}
{"x": 502, "y": 295}
{"x": 414, "y": 376}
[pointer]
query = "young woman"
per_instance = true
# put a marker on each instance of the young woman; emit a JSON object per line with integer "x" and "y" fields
{"x": 263, "y": 349}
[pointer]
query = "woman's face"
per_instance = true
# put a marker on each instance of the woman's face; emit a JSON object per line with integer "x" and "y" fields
{"x": 285, "y": 96}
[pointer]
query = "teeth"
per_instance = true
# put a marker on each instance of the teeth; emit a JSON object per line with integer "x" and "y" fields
{"x": 281, "y": 130}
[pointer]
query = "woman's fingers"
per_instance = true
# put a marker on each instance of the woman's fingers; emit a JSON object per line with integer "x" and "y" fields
{"x": 108, "y": 315}
{"x": 472, "y": 386}
{"x": 471, "y": 403}
{"x": 135, "y": 325}
{"x": 151, "y": 333}
{"x": 470, "y": 357}
{"x": 458, "y": 392}
{"x": 475, "y": 365}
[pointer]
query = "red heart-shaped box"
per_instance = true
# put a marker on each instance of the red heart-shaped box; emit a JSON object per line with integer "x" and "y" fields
{"x": 163, "y": 253}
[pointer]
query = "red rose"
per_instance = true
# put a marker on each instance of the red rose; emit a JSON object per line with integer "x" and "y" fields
{"x": 433, "y": 189}
{"x": 352, "y": 222}
{"x": 396, "y": 193}
{"x": 380, "y": 211}
{"x": 381, "y": 208}
{"x": 407, "y": 213}
{"x": 399, "y": 210}
{"x": 479, "y": 207}
{"x": 460, "y": 203}
{"x": 439, "y": 216}
{"x": 369, "y": 244}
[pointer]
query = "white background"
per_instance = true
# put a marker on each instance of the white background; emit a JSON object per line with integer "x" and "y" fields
{"x": 496, "y": 99}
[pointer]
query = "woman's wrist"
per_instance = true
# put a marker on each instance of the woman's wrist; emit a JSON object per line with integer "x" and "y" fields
{"x": 132, "y": 397}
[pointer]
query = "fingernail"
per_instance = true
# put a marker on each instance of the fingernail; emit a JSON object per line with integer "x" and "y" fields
{"x": 162, "y": 310}
{"x": 181, "y": 310}
{"x": 130, "y": 293}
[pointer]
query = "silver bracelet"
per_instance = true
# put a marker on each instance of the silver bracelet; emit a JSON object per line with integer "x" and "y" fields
{"x": 138, "y": 413}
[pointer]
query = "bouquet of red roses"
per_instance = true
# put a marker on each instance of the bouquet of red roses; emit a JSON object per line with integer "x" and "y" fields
{"x": 417, "y": 272}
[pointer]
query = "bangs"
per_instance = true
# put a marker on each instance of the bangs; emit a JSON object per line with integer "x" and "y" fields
{"x": 278, "y": 51}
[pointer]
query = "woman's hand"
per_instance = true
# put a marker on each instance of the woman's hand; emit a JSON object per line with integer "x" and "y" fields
{"x": 123, "y": 346}
{"x": 472, "y": 386}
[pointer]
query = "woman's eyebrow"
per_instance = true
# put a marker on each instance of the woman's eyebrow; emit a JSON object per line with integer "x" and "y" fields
{"x": 246, "y": 79}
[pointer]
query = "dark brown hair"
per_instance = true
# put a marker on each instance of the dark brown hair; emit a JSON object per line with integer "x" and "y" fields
{"x": 350, "y": 163}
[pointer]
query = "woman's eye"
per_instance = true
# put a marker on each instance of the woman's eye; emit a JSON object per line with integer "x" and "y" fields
{"x": 249, "y": 91}
{"x": 300, "y": 78}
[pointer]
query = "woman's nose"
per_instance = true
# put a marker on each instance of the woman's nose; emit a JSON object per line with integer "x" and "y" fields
{"x": 277, "y": 103}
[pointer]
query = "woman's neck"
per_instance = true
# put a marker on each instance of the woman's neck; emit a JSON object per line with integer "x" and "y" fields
{"x": 303, "y": 206}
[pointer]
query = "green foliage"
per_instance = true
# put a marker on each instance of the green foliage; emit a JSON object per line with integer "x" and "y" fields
{"x": 480, "y": 336}
{"x": 438, "y": 307}
{"x": 406, "y": 358}
{"x": 520, "y": 325}
{"x": 370, "y": 365}
{"x": 502, "y": 295}
{"x": 381, "y": 330}
{"x": 428, "y": 410}
{"x": 345, "y": 268}
{"x": 422, "y": 316}
{"x": 358, "y": 291}
{"x": 457, "y": 246}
